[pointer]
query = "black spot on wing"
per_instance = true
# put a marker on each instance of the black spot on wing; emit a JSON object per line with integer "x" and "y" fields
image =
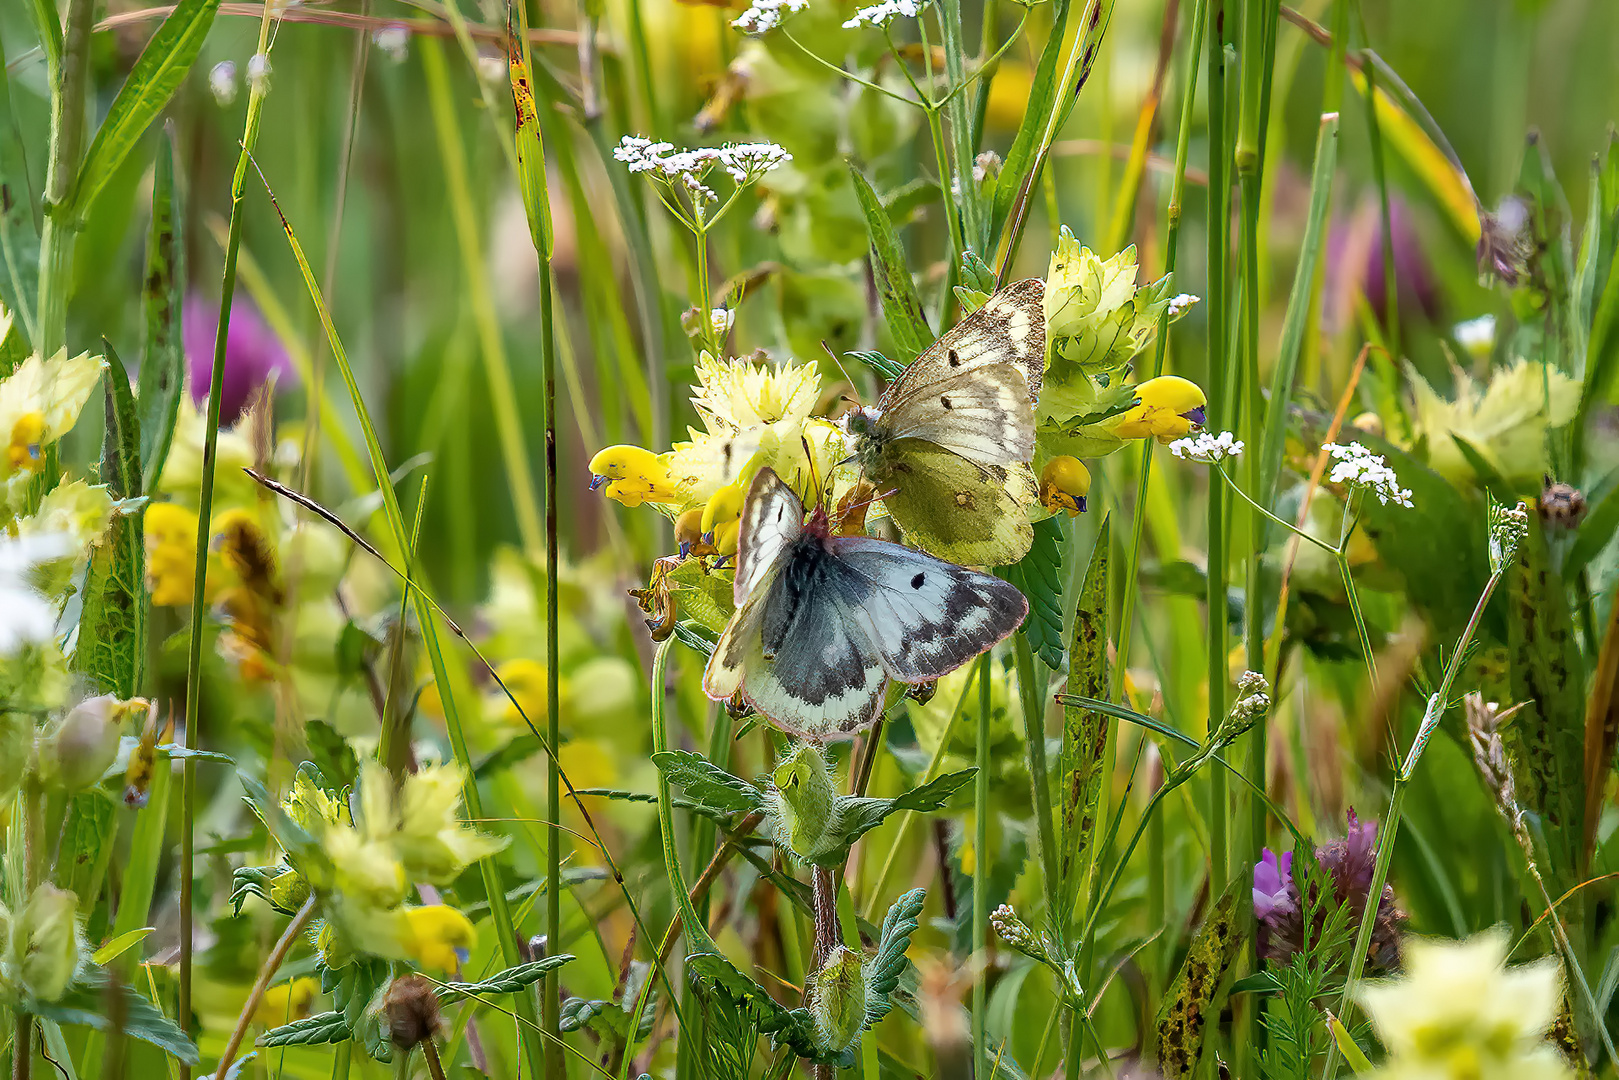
{"x": 918, "y": 581}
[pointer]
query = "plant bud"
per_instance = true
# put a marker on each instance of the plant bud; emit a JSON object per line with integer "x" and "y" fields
{"x": 1064, "y": 483}
{"x": 803, "y": 802}
{"x": 81, "y": 747}
{"x": 838, "y": 1000}
{"x": 412, "y": 1011}
{"x": 45, "y": 942}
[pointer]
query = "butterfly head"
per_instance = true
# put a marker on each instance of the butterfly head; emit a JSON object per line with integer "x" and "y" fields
{"x": 862, "y": 425}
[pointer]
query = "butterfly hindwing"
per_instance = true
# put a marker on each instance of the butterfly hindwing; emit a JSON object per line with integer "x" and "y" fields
{"x": 967, "y": 512}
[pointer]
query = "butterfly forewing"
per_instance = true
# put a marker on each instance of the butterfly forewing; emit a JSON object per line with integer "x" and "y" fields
{"x": 772, "y": 518}
{"x": 1009, "y": 329}
{"x": 984, "y": 416}
{"x": 925, "y": 616}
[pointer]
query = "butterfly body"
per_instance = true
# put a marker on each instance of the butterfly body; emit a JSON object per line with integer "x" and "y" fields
{"x": 825, "y": 622}
{"x": 950, "y": 442}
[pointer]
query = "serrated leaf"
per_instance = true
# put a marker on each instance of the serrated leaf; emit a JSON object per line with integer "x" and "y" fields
{"x": 858, "y": 816}
{"x": 902, "y": 308}
{"x": 86, "y": 1003}
{"x": 162, "y": 373}
{"x": 792, "y": 1028}
{"x": 1193, "y": 999}
{"x": 1546, "y": 741}
{"x": 326, "y": 1027}
{"x": 157, "y": 74}
{"x": 88, "y": 837}
{"x": 1039, "y": 577}
{"x": 503, "y": 982}
{"x": 884, "y": 969}
{"x": 1084, "y": 731}
{"x": 706, "y": 784}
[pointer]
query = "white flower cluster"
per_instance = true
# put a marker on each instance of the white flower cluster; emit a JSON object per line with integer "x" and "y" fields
{"x": 1209, "y": 449}
{"x": 1359, "y": 467}
{"x": 744, "y": 162}
{"x": 766, "y": 15}
{"x": 882, "y": 14}
{"x": 222, "y": 81}
{"x": 1181, "y": 304}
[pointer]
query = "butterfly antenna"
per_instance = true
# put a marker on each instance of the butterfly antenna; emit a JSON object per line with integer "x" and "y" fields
{"x": 852, "y": 507}
{"x": 815, "y": 476}
{"x": 846, "y": 376}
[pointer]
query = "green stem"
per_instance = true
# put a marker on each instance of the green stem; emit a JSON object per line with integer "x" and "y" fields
{"x": 551, "y": 994}
{"x": 960, "y": 128}
{"x": 981, "y": 865}
{"x": 205, "y": 507}
{"x": 56, "y": 242}
{"x": 1391, "y": 822}
{"x": 696, "y": 929}
{"x": 1289, "y": 526}
{"x": 1034, "y": 733}
{"x": 952, "y": 222}
{"x": 1171, "y": 250}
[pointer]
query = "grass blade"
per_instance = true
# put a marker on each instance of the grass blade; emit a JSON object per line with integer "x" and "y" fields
{"x": 902, "y": 308}
{"x": 162, "y": 371}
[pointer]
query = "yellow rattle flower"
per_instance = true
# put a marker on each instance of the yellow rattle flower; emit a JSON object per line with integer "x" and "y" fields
{"x": 1064, "y": 483}
{"x": 633, "y": 475}
{"x": 171, "y": 553}
{"x": 440, "y": 937}
{"x": 722, "y": 519}
{"x": 286, "y": 1002}
{"x": 1168, "y": 407}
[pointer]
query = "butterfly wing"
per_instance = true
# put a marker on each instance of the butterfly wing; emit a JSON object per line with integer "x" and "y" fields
{"x": 1009, "y": 329}
{"x": 956, "y": 508}
{"x": 923, "y": 616}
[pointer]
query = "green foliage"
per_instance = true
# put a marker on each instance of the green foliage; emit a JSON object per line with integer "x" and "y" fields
{"x": 706, "y": 784}
{"x": 86, "y": 1003}
{"x": 1039, "y": 577}
{"x": 1195, "y": 998}
{"x": 1293, "y": 1016}
{"x": 901, "y": 306}
{"x": 162, "y": 371}
{"x": 1084, "y": 731}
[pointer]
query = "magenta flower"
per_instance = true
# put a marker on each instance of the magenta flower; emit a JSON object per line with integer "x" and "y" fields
{"x": 1273, "y": 886}
{"x": 253, "y": 354}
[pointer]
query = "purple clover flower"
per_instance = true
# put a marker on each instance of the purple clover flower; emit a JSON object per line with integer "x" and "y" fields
{"x": 1348, "y": 863}
{"x": 1273, "y": 886}
{"x": 253, "y": 354}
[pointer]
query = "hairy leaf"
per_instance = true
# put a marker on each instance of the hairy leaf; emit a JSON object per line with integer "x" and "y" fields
{"x": 503, "y": 982}
{"x": 88, "y": 836}
{"x": 1084, "y": 731}
{"x": 326, "y": 1027}
{"x": 158, "y": 73}
{"x": 1039, "y": 576}
{"x": 901, "y": 306}
{"x": 162, "y": 373}
{"x": 856, "y": 817}
{"x": 707, "y": 784}
{"x": 86, "y": 1003}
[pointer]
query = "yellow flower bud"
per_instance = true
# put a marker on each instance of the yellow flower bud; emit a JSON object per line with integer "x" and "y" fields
{"x": 1064, "y": 483}
{"x": 633, "y": 475}
{"x": 722, "y": 518}
{"x": 1168, "y": 407}
{"x": 23, "y": 451}
{"x": 837, "y": 1001}
{"x": 689, "y": 533}
{"x": 287, "y": 1002}
{"x": 440, "y": 937}
{"x": 45, "y": 945}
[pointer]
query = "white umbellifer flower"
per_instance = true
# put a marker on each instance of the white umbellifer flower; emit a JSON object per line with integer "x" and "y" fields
{"x": 1359, "y": 467}
{"x": 393, "y": 40}
{"x": 258, "y": 73}
{"x": 721, "y": 320}
{"x": 222, "y": 81}
{"x": 766, "y": 15}
{"x": 1181, "y": 304}
{"x": 26, "y": 615}
{"x": 1209, "y": 449}
{"x": 880, "y": 15}
{"x": 743, "y": 162}
{"x": 1477, "y": 336}
{"x": 492, "y": 69}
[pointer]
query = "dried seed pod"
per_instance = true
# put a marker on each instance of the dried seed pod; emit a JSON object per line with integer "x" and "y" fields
{"x": 412, "y": 1011}
{"x": 1561, "y": 506}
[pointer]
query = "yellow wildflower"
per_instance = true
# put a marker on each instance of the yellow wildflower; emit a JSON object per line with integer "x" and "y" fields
{"x": 722, "y": 518}
{"x": 1064, "y": 483}
{"x": 440, "y": 937}
{"x": 433, "y": 842}
{"x": 1169, "y": 407}
{"x": 286, "y": 1002}
{"x": 1505, "y": 420}
{"x": 733, "y": 395}
{"x": 182, "y": 469}
{"x": 1086, "y": 294}
{"x": 39, "y": 403}
{"x": 633, "y": 476}
{"x": 171, "y": 553}
{"x": 526, "y": 679}
{"x": 78, "y": 508}
{"x": 1460, "y": 1014}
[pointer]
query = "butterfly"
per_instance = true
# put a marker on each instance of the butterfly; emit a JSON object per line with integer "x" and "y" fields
{"x": 950, "y": 441}
{"x": 823, "y": 622}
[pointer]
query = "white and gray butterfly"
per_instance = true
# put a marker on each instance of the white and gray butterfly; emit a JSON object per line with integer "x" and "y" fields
{"x": 824, "y": 622}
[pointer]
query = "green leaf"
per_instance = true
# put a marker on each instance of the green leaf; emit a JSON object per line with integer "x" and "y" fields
{"x": 1546, "y": 740}
{"x": 1036, "y": 111}
{"x": 162, "y": 374}
{"x": 1354, "y": 1056}
{"x": 120, "y": 945}
{"x": 1489, "y": 478}
{"x": 19, "y": 234}
{"x": 1596, "y": 532}
{"x": 88, "y": 837}
{"x": 1193, "y": 998}
{"x": 884, "y": 969}
{"x": 706, "y": 784}
{"x": 876, "y": 361}
{"x": 901, "y": 306}
{"x": 786, "y": 1027}
{"x": 1084, "y": 731}
{"x": 503, "y": 982}
{"x": 530, "y": 153}
{"x": 1039, "y": 576}
{"x": 326, "y": 1027}
{"x": 858, "y": 816}
{"x": 158, "y": 73}
{"x": 86, "y": 1003}
{"x": 112, "y": 626}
